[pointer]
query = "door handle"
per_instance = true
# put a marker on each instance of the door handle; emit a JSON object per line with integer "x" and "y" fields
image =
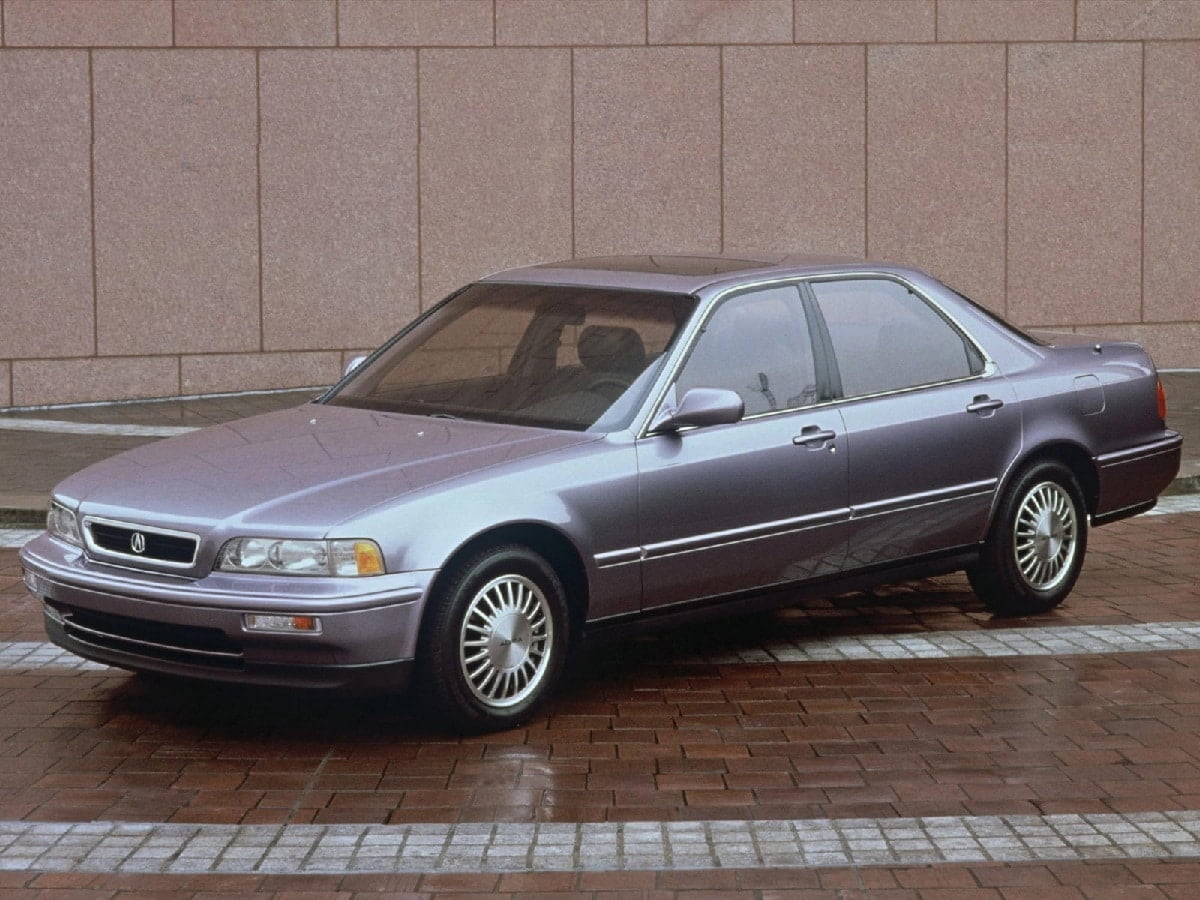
{"x": 813, "y": 434}
{"x": 984, "y": 403}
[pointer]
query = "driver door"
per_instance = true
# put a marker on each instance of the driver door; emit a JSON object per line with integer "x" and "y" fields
{"x": 760, "y": 502}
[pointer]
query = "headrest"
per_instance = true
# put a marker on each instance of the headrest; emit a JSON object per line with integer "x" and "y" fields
{"x": 611, "y": 348}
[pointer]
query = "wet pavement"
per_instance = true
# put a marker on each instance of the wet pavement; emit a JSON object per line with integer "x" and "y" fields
{"x": 892, "y": 743}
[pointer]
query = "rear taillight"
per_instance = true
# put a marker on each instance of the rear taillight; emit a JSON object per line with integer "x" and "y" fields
{"x": 1162, "y": 401}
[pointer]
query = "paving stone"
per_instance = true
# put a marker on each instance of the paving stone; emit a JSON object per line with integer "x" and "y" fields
{"x": 1092, "y": 711}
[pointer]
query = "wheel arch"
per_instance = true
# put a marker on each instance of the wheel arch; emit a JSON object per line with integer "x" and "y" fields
{"x": 1069, "y": 454}
{"x": 551, "y": 544}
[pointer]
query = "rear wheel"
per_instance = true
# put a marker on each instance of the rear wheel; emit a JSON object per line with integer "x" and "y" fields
{"x": 1034, "y": 552}
{"x": 496, "y": 639}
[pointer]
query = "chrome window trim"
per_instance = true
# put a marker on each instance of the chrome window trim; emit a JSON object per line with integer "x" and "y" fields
{"x": 146, "y": 561}
{"x": 684, "y": 349}
{"x": 989, "y": 366}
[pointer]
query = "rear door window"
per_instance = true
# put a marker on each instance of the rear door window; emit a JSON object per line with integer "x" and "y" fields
{"x": 887, "y": 338}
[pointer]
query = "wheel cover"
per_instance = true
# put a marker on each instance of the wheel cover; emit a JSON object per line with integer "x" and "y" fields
{"x": 1046, "y": 536}
{"x": 505, "y": 643}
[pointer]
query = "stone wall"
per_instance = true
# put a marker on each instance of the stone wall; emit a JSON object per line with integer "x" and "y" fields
{"x": 209, "y": 195}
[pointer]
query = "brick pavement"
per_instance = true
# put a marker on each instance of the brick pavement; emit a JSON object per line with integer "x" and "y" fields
{"x": 700, "y": 726}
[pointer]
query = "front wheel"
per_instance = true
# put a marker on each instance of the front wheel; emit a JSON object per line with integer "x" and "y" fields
{"x": 1034, "y": 552}
{"x": 496, "y": 639}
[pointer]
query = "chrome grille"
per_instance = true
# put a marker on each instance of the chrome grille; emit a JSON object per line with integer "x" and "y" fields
{"x": 141, "y": 543}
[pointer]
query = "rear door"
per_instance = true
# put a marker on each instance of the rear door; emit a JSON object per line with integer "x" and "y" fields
{"x": 930, "y": 426}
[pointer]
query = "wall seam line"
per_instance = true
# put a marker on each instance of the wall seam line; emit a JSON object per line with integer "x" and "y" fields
{"x": 172, "y": 23}
{"x": 367, "y": 48}
{"x": 572, "y": 77}
{"x": 337, "y": 23}
{"x": 1142, "y": 211}
{"x": 262, "y": 312}
{"x": 92, "y": 202}
{"x": 1007, "y": 224}
{"x": 866, "y": 152}
{"x": 721, "y": 148}
{"x": 420, "y": 190}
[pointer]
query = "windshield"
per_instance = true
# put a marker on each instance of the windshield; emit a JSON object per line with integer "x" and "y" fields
{"x": 569, "y": 357}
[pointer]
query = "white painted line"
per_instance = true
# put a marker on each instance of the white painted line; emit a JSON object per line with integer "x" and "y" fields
{"x": 54, "y": 426}
{"x": 1035, "y": 641}
{"x": 136, "y": 847}
{"x": 16, "y": 538}
{"x": 1174, "y": 505}
{"x": 43, "y": 655}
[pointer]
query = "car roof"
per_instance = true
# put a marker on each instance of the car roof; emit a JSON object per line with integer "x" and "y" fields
{"x": 682, "y": 274}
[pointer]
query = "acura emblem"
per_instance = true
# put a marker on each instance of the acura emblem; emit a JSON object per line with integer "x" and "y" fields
{"x": 137, "y": 542}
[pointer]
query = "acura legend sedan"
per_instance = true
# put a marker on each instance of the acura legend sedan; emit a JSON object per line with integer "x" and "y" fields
{"x": 563, "y": 449}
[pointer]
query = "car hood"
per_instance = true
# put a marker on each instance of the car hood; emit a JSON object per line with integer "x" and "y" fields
{"x": 309, "y": 467}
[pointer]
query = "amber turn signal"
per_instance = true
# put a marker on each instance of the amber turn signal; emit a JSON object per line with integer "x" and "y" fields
{"x": 368, "y": 558}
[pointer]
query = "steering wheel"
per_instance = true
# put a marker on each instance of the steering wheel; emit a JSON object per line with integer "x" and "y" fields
{"x": 609, "y": 386}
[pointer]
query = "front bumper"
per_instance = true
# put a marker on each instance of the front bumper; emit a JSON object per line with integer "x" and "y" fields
{"x": 147, "y": 621}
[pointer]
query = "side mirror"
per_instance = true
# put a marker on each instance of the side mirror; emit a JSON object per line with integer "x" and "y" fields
{"x": 354, "y": 364}
{"x": 699, "y": 407}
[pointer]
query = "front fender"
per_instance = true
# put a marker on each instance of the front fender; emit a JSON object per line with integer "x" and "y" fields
{"x": 588, "y": 494}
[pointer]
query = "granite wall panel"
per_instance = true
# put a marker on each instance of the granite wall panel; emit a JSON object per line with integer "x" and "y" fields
{"x": 794, "y": 159}
{"x": 427, "y": 23}
{"x": 1074, "y": 183}
{"x": 339, "y": 196}
{"x": 1005, "y": 20}
{"x": 495, "y": 163}
{"x": 48, "y": 381}
{"x": 1172, "y": 183}
{"x": 647, "y": 150}
{"x": 229, "y": 372}
{"x": 71, "y": 23}
{"x": 176, "y": 201}
{"x": 863, "y": 21}
{"x": 936, "y": 165}
{"x": 45, "y": 205}
{"x": 719, "y": 22}
{"x": 255, "y": 23}
{"x": 570, "y": 22}
{"x": 1136, "y": 20}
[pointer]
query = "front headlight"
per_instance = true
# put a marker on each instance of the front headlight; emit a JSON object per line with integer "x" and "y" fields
{"x": 63, "y": 523}
{"x": 284, "y": 556}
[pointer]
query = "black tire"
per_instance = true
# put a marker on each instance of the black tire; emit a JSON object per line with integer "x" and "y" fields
{"x": 1034, "y": 551}
{"x": 495, "y": 638}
